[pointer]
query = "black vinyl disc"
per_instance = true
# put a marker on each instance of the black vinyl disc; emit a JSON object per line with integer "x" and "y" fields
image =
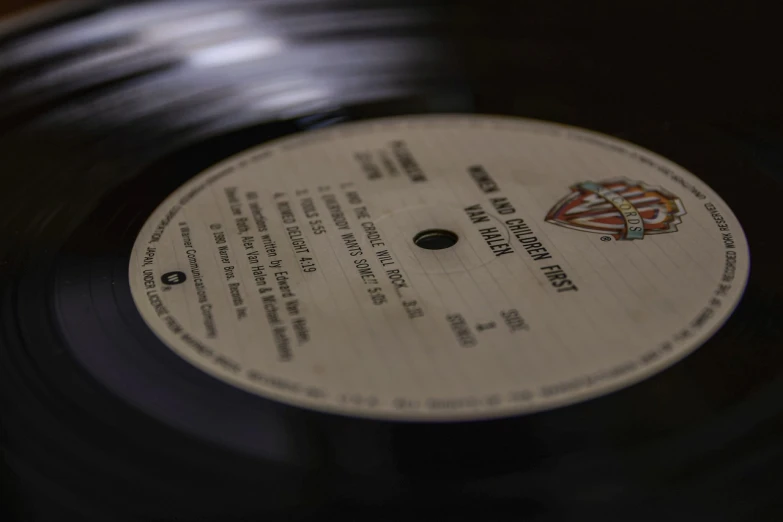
{"x": 107, "y": 111}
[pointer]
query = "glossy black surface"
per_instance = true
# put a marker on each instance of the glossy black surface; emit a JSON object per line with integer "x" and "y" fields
{"x": 104, "y": 113}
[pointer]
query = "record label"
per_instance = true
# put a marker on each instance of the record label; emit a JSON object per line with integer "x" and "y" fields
{"x": 439, "y": 267}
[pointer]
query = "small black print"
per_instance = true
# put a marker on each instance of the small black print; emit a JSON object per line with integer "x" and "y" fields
{"x": 173, "y": 278}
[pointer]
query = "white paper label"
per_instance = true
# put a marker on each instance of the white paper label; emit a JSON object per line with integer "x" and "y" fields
{"x": 582, "y": 264}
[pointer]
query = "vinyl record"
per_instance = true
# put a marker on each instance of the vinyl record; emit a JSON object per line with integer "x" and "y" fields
{"x": 287, "y": 260}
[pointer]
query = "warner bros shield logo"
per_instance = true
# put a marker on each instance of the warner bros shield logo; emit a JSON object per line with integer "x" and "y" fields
{"x": 621, "y": 208}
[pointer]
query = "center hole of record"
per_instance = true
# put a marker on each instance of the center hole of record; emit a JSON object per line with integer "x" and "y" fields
{"x": 435, "y": 239}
